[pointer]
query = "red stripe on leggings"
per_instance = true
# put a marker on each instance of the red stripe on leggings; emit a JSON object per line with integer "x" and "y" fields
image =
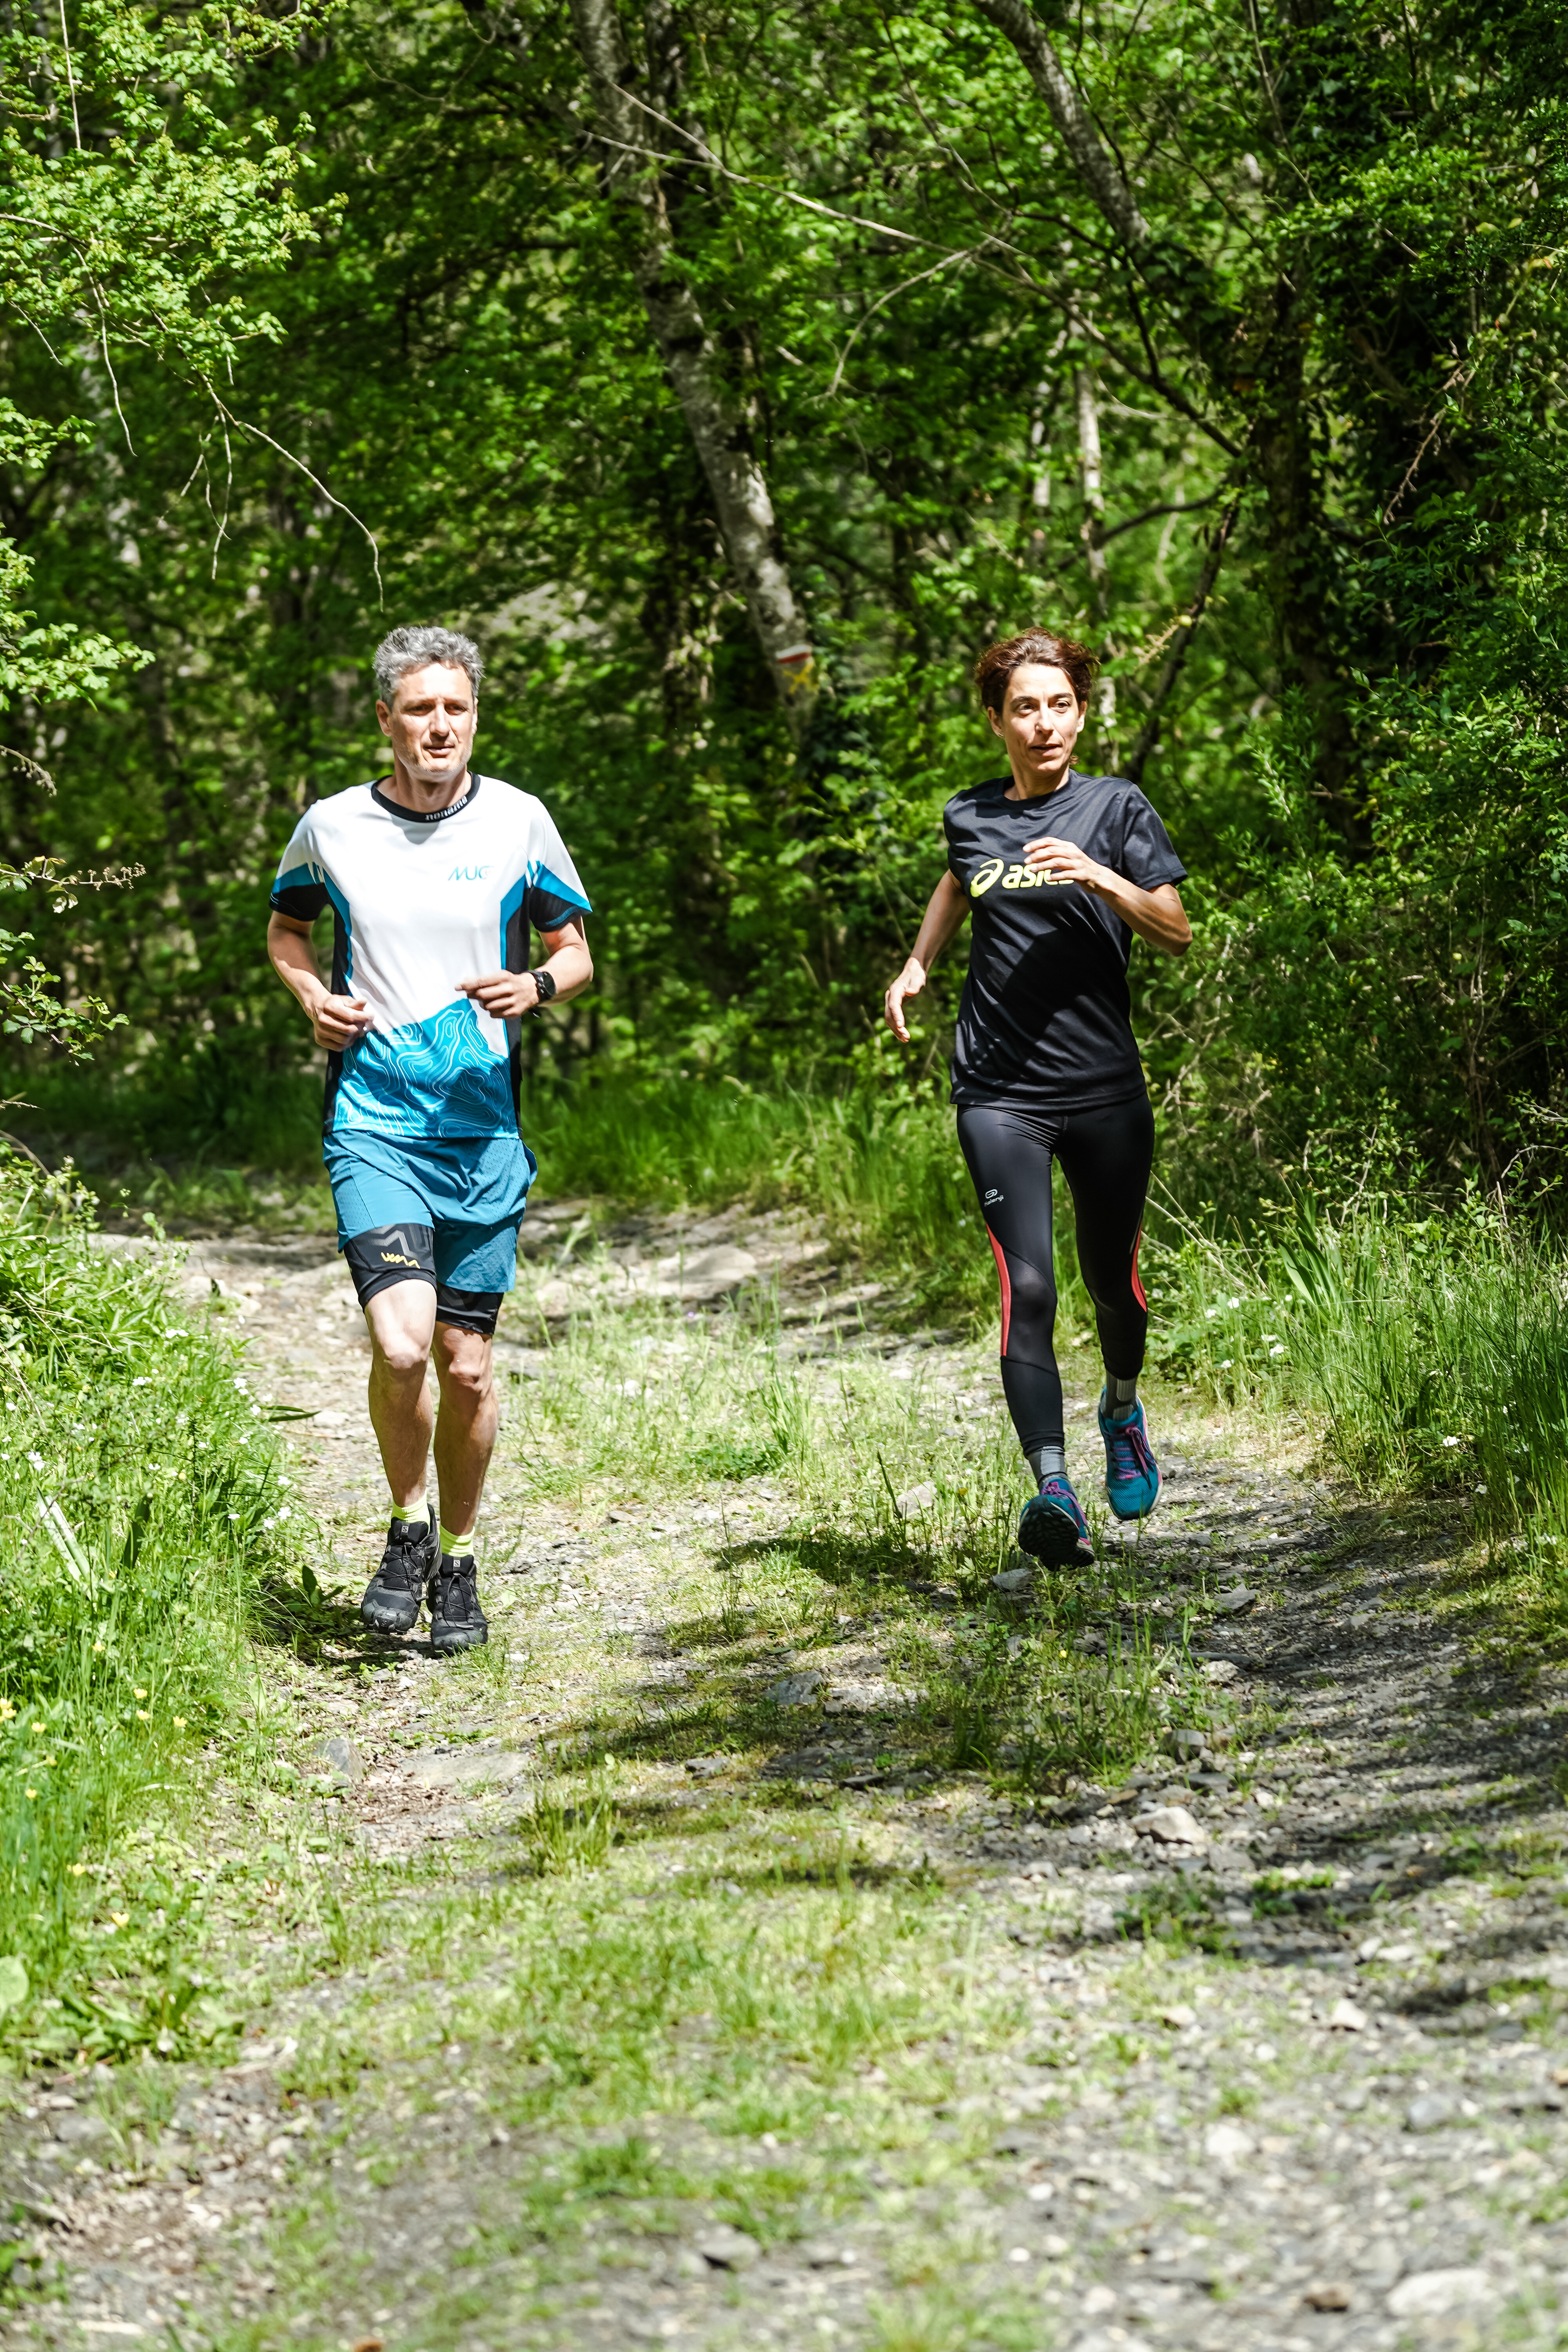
{"x": 1006, "y": 1287}
{"x": 1137, "y": 1286}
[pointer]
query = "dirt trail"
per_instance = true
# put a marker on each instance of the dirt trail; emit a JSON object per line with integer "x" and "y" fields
{"x": 1344, "y": 2132}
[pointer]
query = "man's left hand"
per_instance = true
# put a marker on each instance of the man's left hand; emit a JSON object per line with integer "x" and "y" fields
{"x": 504, "y": 995}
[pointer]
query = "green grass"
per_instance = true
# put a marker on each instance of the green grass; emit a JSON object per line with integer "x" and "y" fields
{"x": 143, "y": 1512}
{"x": 879, "y": 1168}
{"x": 652, "y": 1405}
{"x": 1426, "y": 1354}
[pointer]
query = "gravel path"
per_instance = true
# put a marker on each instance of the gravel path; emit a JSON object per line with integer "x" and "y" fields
{"x": 1328, "y": 2112}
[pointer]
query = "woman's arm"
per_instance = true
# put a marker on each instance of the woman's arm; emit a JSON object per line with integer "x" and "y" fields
{"x": 1157, "y": 916}
{"x": 944, "y": 913}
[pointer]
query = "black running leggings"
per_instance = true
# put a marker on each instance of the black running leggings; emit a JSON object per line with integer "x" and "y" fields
{"x": 1106, "y": 1156}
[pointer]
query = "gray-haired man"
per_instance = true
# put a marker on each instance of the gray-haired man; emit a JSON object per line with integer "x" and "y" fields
{"x": 434, "y": 876}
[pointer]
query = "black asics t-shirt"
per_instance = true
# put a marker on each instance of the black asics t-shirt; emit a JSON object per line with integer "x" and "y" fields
{"x": 1045, "y": 1018}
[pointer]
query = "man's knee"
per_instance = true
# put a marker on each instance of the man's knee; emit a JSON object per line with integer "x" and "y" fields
{"x": 464, "y": 1368}
{"x": 400, "y": 1354}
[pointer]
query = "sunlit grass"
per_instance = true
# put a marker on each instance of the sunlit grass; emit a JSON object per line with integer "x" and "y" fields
{"x": 144, "y": 1502}
{"x": 899, "y": 1486}
{"x": 1426, "y": 1354}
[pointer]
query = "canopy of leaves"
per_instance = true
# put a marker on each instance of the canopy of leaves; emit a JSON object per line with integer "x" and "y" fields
{"x": 377, "y": 278}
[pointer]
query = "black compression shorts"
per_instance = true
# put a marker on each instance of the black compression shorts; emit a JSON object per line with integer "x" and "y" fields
{"x": 1106, "y": 1156}
{"x": 407, "y": 1252}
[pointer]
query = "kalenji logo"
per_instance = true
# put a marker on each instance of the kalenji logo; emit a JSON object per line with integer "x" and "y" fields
{"x": 993, "y": 1195}
{"x": 468, "y": 872}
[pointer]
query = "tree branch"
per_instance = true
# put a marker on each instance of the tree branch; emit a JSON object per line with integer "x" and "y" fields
{"x": 1144, "y": 750}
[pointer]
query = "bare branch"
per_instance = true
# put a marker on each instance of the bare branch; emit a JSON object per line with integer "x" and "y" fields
{"x": 1186, "y": 629}
{"x": 242, "y": 424}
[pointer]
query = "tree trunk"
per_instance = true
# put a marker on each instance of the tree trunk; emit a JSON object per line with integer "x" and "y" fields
{"x": 1298, "y": 558}
{"x": 715, "y": 419}
{"x": 1095, "y": 167}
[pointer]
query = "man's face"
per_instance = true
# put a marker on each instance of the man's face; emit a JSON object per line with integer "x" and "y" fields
{"x": 430, "y": 723}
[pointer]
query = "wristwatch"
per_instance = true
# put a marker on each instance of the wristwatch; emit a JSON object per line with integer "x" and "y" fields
{"x": 545, "y": 984}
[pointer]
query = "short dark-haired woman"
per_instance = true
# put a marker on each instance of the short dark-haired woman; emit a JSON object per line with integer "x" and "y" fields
{"x": 1058, "y": 869}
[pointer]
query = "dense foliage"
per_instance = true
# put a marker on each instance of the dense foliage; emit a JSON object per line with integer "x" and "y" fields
{"x": 1261, "y": 316}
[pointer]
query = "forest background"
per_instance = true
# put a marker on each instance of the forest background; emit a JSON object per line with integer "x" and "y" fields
{"x": 734, "y": 376}
{"x": 656, "y": 347}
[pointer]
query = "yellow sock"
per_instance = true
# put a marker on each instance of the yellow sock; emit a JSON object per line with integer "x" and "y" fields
{"x": 418, "y": 1515}
{"x": 456, "y": 1545}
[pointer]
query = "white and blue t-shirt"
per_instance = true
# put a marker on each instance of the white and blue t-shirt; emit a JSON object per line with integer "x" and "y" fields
{"x": 420, "y": 903}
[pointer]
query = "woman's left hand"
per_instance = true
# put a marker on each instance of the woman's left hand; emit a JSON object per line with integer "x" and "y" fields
{"x": 1066, "y": 862}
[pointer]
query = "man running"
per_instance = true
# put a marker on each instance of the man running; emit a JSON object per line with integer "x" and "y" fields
{"x": 435, "y": 876}
{"x": 1060, "y": 869}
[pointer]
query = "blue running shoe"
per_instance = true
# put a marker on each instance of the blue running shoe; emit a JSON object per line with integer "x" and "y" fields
{"x": 1053, "y": 1529}
{"x": 1131, "y": 1473}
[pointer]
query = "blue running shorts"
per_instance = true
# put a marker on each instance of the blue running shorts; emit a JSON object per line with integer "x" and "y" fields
{"x": 438, "y": 1209}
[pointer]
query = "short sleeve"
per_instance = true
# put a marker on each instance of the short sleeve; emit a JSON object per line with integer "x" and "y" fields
{"x": 554, "y": 893}
{"x": 300, "y": 890}
{"x": 948, "y": 840}
{"x": 1147, "y": 856}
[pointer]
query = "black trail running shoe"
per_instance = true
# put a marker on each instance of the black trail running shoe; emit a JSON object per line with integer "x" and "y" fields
{"x": 391, "y": 1603}
{"x": 457, "y": 1621}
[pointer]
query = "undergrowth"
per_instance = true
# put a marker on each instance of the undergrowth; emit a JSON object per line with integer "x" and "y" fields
{"x": 143, "y": 1508}
{"x": 1428, "y": 1352}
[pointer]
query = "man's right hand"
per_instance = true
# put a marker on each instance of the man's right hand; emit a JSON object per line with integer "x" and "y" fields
{"x": 338, "y": 1022}
{"x": 909, "y": 982}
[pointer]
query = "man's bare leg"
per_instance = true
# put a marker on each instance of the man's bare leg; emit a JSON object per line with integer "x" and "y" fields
{"x": 401, "y": 1321}
{"x": 466, "y": 1427}
{"x": 465, "y": 1440}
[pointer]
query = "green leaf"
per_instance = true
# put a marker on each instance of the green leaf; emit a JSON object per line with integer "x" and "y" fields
{"x": 14, "y": 1984}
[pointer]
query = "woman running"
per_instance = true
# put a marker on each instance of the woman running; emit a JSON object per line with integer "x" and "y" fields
{"x": 1059, "y": 869}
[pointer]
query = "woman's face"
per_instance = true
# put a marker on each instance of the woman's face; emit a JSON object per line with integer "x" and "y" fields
{"x": 1041, "y": 721}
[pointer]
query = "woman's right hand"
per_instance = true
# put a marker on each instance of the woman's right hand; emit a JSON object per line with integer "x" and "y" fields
{"x": 909, "y": 982}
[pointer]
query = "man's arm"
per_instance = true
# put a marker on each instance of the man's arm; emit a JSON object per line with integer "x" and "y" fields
{"x": 335, "y": 1021}
{"x": 507, "y": 995}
